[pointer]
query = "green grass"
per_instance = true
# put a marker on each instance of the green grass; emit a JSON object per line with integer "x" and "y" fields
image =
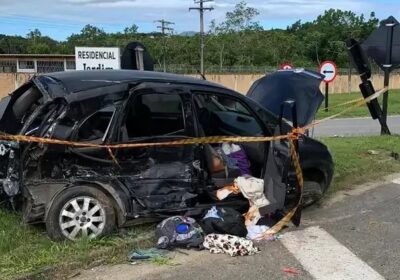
{"x": 355, "y": 165}
{"x": 26, "y": 249}
{"x": 336, "y": 99}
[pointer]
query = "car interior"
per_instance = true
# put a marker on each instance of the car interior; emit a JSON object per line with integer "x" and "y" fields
{"x": 155, "y": 114}
{"x": 160, "y": 114}
{"x": 94, "y": 128}
{"x": 221, "y": 116}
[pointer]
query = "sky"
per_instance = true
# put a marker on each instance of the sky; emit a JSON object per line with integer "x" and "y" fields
{"x": 60, "y": 18}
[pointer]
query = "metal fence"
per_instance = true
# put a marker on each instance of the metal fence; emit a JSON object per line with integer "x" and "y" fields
{"x": 8, "y": 66}
{"x": 44, "y": 65}
{"x": 34, "y": 65}
{"x": 188, "y": 69}
{"x": 49, "y": 66}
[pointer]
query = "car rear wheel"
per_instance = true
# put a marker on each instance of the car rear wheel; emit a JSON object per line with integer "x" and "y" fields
{"x": 313, "y": 192}
{"x": 80, "y": 212}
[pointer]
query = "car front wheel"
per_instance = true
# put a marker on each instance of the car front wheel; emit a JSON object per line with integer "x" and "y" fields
{"x": 80, "y": 212}
{"x": 313, "y": 192}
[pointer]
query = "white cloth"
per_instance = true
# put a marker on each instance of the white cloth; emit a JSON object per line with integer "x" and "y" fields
{"x": 230, "y": 148}
{"x": 254, "y": 231}
{"x": 253, "y": 189}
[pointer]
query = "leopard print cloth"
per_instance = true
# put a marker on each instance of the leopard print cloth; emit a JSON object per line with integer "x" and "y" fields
{"x": 229, "y": 244}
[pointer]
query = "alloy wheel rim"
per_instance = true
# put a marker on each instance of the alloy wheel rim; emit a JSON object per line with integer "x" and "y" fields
{"x": 82, "y": 217}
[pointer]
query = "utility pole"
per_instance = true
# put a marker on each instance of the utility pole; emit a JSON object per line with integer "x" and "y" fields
{"x": 387, "y": 68}
{"x": 165, "y": 28}
{"x": 201, "y": 10}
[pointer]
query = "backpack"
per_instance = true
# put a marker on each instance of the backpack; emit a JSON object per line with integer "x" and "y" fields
{"x": 179, "y": 231}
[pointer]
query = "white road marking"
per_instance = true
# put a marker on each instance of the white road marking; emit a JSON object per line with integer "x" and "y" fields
{"x": 396, "y": 181}
{"x": 325, "y": 258}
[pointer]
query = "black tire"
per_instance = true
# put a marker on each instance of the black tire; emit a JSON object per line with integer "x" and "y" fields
{"x": 96, "y": 196}
{"x": 312, "y": 193}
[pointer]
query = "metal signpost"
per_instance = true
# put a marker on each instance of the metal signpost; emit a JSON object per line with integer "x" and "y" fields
{"x": 329, "y": 70}
{"x": 383, "y": 46}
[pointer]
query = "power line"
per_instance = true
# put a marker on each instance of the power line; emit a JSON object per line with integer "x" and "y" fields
{"x": 165, "y": 29}
{"x": 201, "y": 10}
{"x": 165, "y": 26}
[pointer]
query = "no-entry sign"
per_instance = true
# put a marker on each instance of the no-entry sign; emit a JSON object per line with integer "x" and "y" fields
{"x": 329, "y": 70}
{"x": 286, "y": 66}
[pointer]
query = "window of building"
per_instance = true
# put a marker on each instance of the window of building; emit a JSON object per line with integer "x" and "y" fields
{"x": 70, "y": 65}
{"x": 8, "y": 66}
{"x": 46, "y": 66}
{"x": 26, "y": 66}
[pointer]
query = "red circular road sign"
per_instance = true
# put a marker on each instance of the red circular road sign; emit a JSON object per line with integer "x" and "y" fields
{"x": 286, "y": 66}
{"x": 329, "y": 70}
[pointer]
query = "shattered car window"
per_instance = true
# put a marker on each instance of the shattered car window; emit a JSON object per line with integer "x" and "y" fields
{"x": 221, "y": 115}
{"x": 95, "y": 127}
{"x": 42, "y": 116}
{"x": 155, "y": 115}
{"x": 228, "y": 104}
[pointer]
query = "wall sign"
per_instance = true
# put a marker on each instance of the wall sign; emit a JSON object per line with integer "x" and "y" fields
{"x": 88, "y": 58}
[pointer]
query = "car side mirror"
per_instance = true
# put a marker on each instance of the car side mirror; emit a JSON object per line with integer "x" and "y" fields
{"x": 291, "y": 104}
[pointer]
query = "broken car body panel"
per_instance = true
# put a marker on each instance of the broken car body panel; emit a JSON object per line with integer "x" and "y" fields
{"x": 299, "y": 85}
{"x": 109, "y": 107}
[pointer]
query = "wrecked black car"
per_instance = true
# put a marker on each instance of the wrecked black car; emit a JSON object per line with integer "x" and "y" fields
{"x": 82, "y": 191}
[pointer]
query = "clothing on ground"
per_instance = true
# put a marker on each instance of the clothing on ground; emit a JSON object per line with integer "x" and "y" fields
{"x": 229, "y": 244}
{"x": 224, "y": 221}
{"x": 254, "y": 231}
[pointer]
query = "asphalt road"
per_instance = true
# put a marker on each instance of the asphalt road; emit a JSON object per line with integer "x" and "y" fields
{"x": 355, "y": 127}
{"x": 354, "y": 235}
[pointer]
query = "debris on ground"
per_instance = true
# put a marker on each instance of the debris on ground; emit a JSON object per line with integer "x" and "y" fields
{"x": 291, "y": 271}
{"x": 373, "y": 152}
{"x": 229, "y": 244}
{"x": 223, "y": 220}
{"x": 146, "y": 254}
{"x": 395, "y": 155}
{"x": 253, "y": 231}
{"x": 274, "y": 237}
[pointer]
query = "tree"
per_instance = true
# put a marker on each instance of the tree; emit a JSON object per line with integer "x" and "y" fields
{"x": 91, "y": 32}
{"x": 229, "y": 34}
{"x": 132, "y": 30}
{"x": 325, "y": 37}
{"x": 89, "y": 36}
{"x": 240, "y": 19}
{"x": 34, "y": 34}
{"x": 39, "y": 48}
{"x": 237, "y": 41}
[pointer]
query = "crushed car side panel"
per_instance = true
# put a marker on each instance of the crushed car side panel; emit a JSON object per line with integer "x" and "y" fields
{"x": 145, "y": 181}
{"x": 10, "y": 171}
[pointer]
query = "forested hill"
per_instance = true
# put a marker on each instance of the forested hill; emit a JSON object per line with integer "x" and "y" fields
{"x": 237, "y": 41}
